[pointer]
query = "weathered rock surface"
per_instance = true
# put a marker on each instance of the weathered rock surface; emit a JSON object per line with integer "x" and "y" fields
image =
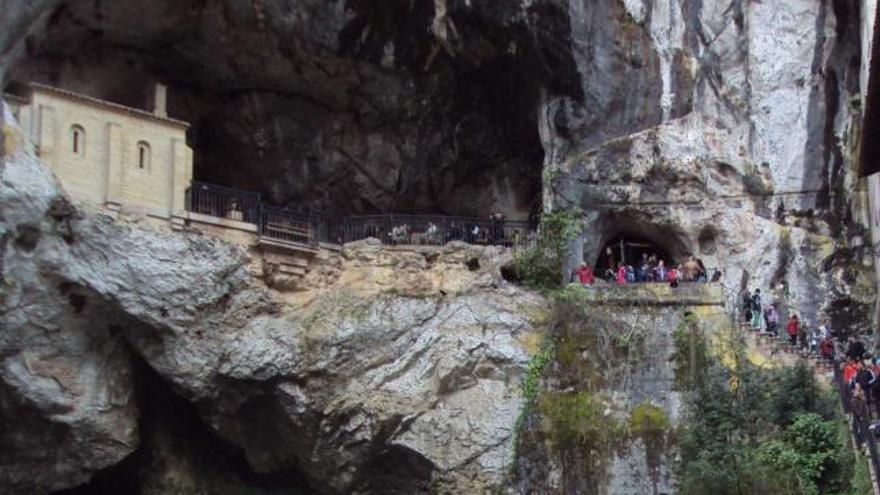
{"x": 622, "y": 356}
{"x": 370, "y": 382}
{"x": 751, "y": 166}
{"x": 342, "y": 106}
{"x": 720, "y": 127}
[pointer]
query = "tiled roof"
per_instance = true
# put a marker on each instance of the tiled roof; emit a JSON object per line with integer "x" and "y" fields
{"x": 12, "y": 97}
{"x": 115, "y": 106}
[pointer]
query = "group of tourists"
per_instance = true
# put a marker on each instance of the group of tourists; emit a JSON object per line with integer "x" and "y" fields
{"x": 492, "y": 232}
{"x": 861, "y": 372}
{"x": 815, "y": 341}
{"x": 472, "y": 232}
{"x": 651, "y": 269}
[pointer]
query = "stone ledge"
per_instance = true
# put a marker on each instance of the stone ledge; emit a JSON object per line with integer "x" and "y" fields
{"x": 656, "y": 294}
{"x": 222, "y": 222}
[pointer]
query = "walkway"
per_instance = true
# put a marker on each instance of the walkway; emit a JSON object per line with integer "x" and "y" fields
{"x": 313, "y": 229}
{"x": 829, "y": 371}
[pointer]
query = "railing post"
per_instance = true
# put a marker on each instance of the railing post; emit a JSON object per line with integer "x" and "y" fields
{"x": 261, "y": 216}
{"x": 390, "y": 231}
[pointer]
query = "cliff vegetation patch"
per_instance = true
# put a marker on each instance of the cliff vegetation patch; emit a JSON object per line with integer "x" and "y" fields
{"x": 540, "y": 265}
{"x": 756, "y": 430}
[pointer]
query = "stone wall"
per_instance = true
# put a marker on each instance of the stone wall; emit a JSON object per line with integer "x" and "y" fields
{"x": 623, "y": 356}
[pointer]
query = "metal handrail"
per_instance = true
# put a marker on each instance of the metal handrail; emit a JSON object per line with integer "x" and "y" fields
{"x": 392, "y": 229}
{"x": 223, "y": 202}
{"x": 286, "y": 225}
{"x": 858, "y": 424}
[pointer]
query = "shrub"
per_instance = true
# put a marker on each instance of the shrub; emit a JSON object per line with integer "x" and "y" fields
{"x": 577, "y": 420}
{"x": 754, "y": 430}
{"x": 540, "y": 266}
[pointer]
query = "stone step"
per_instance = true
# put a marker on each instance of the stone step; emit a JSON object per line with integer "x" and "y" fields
{"x": 292, "y": 270}
{"x": 286, "y": 259}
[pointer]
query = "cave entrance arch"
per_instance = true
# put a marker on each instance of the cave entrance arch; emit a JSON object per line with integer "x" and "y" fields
{"x": 627, "y": 235}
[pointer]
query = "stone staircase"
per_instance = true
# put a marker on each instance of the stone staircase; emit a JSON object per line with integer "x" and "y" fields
{"x": 780, "y": 349}
{"x": 776, "y": 348}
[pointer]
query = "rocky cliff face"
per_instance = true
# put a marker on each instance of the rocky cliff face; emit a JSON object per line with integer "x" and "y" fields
{"x": 366, "y": 383}
{"x": 749, "y": 159}
{"x": 724, "y": 124}
{"x": 604, "y": 416}
{"x": 342, "y": 106}
{"x": 720, "y": 127}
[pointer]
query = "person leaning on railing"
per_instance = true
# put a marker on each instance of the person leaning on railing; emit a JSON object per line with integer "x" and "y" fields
{"x": 866, "y": 379}
{"x": 792, "y": 329}
{"x": 234, "y": 212}
{"x": 432, "y": 234}
{"x": 690, "y": 269}
{"x": 875, "y": 390}
{"x": 826, "y": 350}
{"x": 497, "y": 230}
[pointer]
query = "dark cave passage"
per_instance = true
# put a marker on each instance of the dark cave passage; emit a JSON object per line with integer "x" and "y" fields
{"x": 630, "y": 250}
{"x": 179, "y": 453}
{"x": 627, "y": 236}
{"x": 422, "y": 132}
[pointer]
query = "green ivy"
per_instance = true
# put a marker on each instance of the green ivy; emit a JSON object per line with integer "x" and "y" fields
{"x": 650, "y": 423}
{"x": 530, "y": 386}
{"x": 534, "y": 372}
{"x": 577, "y": 421}
{"x": 550, "y": 176}
{"x": 540, "y": 266}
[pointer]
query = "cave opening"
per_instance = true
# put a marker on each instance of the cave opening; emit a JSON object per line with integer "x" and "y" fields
{"x": 377, "y": 119}
{"x": 629, "y": 235}
{"x": 180, "y": 453}
{"x": 630, "y": 249}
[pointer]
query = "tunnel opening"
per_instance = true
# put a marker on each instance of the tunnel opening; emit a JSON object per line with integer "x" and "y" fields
{"x": 630, "y": 250}
{"x": 629, "y": 236}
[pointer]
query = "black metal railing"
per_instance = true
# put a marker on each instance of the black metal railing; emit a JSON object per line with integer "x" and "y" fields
{"x": 223, "y": 202}
{"x": 862, "y": 429}
{"x": 435, "y": 230}
{"x": 391, "y": 229}
{"x": 861, "y": 426}
{"x": 285, "y": 225}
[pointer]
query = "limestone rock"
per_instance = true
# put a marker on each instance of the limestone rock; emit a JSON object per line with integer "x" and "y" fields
{"x": 394, "y": 359}
{"x": 66, "y": 392}
{"x": 722, "y": 127}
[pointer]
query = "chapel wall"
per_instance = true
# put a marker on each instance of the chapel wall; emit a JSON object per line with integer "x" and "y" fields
{"x": 123, "y": 156}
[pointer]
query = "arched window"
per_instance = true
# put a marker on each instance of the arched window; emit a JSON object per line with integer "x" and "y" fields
{"x": 143, "y": 155}
{"x": 78, "y": 140}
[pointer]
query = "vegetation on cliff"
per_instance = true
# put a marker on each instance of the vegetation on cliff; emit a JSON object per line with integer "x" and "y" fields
{"x": 571, "y": 418}
{"x": 757, "y": 430}
{"x": 540, "y": 265}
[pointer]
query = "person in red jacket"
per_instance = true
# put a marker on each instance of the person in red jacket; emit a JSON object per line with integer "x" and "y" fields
{"x": 672, "y": 277}
{"x": 850, "y": 369}
{"x": 585, "y": 274}
{"x": 621, "y": 274}
{"x": 792, "y": 329}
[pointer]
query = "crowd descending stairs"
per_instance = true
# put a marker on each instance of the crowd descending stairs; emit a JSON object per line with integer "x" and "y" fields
{"x": 779, "y": 350}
